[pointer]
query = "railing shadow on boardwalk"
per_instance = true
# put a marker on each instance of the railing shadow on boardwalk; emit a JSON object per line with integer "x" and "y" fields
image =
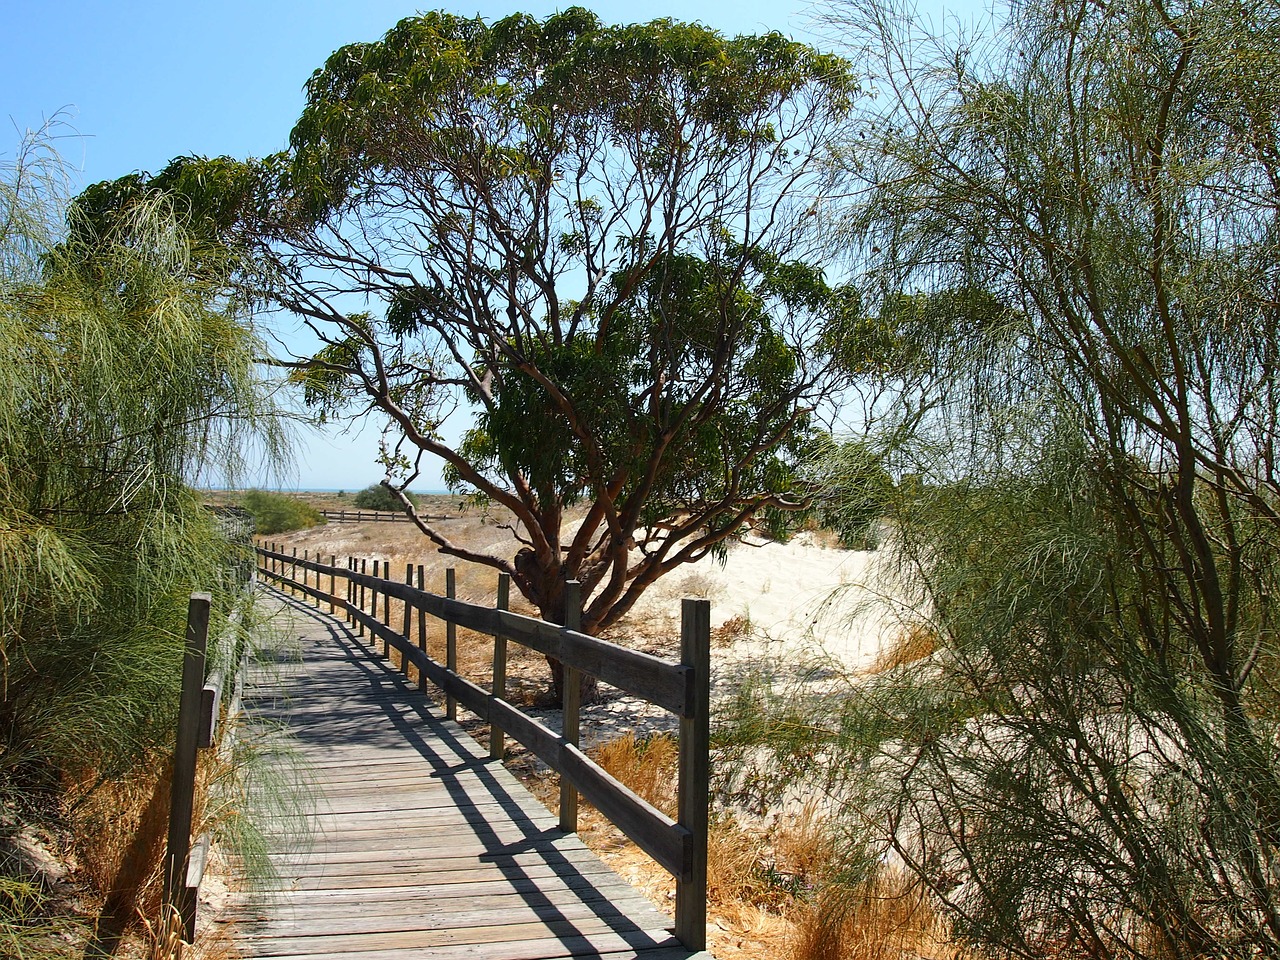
{"x": 678, "y": 845}
{"x": 408, "y": 720}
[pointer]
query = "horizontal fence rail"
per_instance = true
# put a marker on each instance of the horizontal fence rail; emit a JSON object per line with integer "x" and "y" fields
{"x": 678, "y": 845}
{"x": 382, "y": 516}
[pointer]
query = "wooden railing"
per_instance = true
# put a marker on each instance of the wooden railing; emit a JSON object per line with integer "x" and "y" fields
{"x": 384, "y": 516}
{"x": 679, "y": 845}
{"x": 201, "y": 708}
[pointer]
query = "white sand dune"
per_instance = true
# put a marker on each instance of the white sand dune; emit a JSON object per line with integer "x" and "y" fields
{"x": 800, "y": 599}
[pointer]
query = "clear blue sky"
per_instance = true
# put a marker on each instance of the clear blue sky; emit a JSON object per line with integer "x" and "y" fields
{"x": 142, "y": 83}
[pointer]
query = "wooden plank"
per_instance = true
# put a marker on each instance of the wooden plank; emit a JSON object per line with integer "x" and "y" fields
{"x": 423, "y": 882}
{"x": 585, "y": 933}
{"x": 397, "y": 914}
{"x": 541, "y": 949}
{"x": 453, "y": 867}
{"x": 443, "y": 926}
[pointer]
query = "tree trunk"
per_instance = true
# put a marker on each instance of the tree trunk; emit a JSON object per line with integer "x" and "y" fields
{"x": 590, "y": 686}
{"x": 545, "y": 589}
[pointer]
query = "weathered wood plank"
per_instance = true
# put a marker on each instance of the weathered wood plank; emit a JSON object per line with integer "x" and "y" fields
{"x": 596, "y": 936}
{"x": 498, "y": 910}
{"x": 541, "y": 949}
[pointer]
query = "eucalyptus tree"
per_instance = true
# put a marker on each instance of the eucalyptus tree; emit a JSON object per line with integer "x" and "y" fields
{"x": 1077, "y": 222}
{"x": 595, "y": 239}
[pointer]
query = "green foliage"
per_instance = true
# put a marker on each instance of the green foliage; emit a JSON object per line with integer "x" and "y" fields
{"x": 660, "y": 334}
{"x": 377, "y": 497}
{"x": 128, "y": 371}
{"x": 856, "y": 491}
{"x": 279, "y": 512}
{"x": 1076, "y": 223}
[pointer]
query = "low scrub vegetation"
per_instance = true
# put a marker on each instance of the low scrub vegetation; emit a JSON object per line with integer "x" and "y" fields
{"x": 279, "y": 512}
{"x": 377, "y": 497}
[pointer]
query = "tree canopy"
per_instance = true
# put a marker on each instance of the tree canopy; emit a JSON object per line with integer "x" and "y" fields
{"x": 596, "y": 238}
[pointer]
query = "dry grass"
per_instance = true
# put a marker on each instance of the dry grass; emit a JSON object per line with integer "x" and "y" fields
{"x": 806, "y": 847}
{"x": 698, "y": 584}
{"x": 164, "y": 937}
{"x": 121, "y": 828}
{"x": 646, "y": 765}
{"x": 886, "y": 918}
{"x": 738, "y": 627}
{"x": 916, "y": 642}
{"x": 772, "y": 893}
{"x": 162, "y": 940}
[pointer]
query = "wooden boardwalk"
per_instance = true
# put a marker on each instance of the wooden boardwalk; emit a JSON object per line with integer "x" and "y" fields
{"x": 422, "y": 847}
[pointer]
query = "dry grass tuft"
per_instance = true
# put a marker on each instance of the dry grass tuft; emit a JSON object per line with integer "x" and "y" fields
{"x": 121, "y": 827}
{"x": 164, "y": 937}
{"x": 734, "y": 856}
{"x": 886, "y": 918}
{"x": 805, "y": 848}
{"x": 699, "y": 584}
{"x": 916, "y": 642}
{"x": 737, "y": 627}
{"x": 646, "y": 765}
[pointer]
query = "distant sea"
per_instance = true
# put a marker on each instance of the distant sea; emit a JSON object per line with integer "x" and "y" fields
{"x": 420, "y": 493}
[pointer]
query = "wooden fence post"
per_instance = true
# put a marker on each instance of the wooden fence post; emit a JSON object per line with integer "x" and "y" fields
{"x": 422, "y": 627}
{"x": 364, "y": 567}
{"x": 497, "y": 738}
{"x": 293, "y": 573}
{"x": 695, "y": 775}
{"x": 386, "y": 607}
{"x": 572, "y": 706}
{"x": 408, "y": 620}
{"x": 373, "y": 600}
{"x": 333, "y": 562}
{"x": 182, "y": 793}
{"x": 451, "y": 642}
{"x": 306, "y": 580}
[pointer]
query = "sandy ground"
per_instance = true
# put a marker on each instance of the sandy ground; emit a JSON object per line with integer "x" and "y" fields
{"x": 800, "y": 600}
{"x": 803, "y": 598}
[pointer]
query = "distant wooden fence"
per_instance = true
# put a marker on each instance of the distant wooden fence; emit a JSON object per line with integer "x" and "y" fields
{"x": 680, "y": 845}
{"x": 383, "y": 516}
